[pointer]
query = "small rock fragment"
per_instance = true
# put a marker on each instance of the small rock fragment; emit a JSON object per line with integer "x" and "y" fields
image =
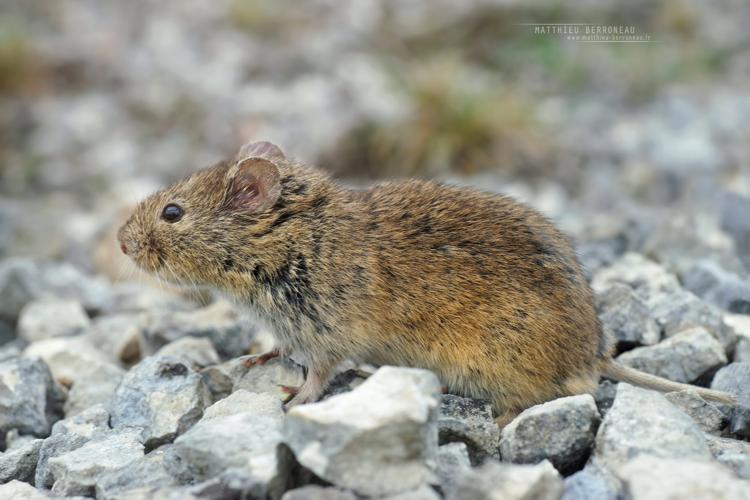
{"x": 502, "y": 481}
{"x": 97, "y": 388}
{"x": 214, "y": 444}
{"x": 227, "y": 330}
{"x": 733, "y": 453}
{"x": 561, "y": 431}
{"x": 718, "y": 286}
{"x": 681, "y": 310}
{"x": 379, "y": 439}
{"x": 627, "y": 316}
{"x": 19, "y": 490}
{"x": 684, "y": 357}
{"x": 29, "y": 399}
{"x": 452, "y": 458}
{"x": 43, "y": 319}
{"x": 68, "y": 435}
{"x": 592, "y": 482}
{"x": 77, "y": 472}
{"x": 650, "y": 477}
{"x": 735, "y": 379}
{"x": 469, "y": 421}
{"x": 70, "y": 359}
{"x": 19, "y": 461}
{"x": 314, "y": 492}
{"x": 161, "y": 397}
{"x": 198, "y": 351}
{"x": 643, "y": 422}
{"x": 148, "y": 471}
{"x": 705, "y": 414}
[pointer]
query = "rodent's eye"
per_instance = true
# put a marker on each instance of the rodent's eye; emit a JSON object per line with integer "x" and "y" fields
{"x": 172, "y": 213}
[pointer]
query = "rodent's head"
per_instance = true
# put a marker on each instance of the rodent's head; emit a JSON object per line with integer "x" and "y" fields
{"x": 191, "y": 231}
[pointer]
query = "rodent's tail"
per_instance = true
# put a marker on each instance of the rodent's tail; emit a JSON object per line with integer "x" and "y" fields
{"x": 614, "y": 370}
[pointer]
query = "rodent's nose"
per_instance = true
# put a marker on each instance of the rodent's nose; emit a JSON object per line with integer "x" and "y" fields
{"x": 124, "y": 248}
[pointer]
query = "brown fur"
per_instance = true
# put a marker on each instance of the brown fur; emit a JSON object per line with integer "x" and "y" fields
{"x": 476, "y": 287}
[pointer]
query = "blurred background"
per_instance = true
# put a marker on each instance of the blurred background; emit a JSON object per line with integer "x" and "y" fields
{"x": 629, "y": 146}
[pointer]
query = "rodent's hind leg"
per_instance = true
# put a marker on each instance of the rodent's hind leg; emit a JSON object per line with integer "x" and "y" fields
{"x": 311, "y": 389}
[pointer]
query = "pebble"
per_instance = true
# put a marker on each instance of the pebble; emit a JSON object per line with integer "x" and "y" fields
{"x": 501, "y": 481}
{"x": 561, "y": 431}
{"x": 43, "y": 319}
{"x": 706, "y": 415}
{"x": 650, "y": 477}
{"x": 735, "y": 379}
{"x": 643, "y": 422}
{"x": 627, "y": 316}
{"x": 30, "y": 400}
{"x": 684, "y": 357}
{"x": 379, "y": 439}
{"x": 469, "y": 421}
{"x": 162, "y": 397}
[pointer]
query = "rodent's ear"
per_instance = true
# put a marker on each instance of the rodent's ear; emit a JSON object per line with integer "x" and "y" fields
{"x": 253, "y": 185}
{"x": 261, "y": 149}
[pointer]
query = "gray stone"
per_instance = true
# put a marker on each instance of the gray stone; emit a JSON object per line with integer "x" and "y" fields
{"x": 161, "y": 397}
{"x": 198, "y": 351}
{"x": 592, "y": 482}
{"x": 501, "y": 481}
{"x": 314, "y": 492}
{"x": 227, "y": 330}
{"x": 134, "y": 298}
{"x": 605, "y": 395}
{"x": 70, "y": 359}
{"x": 452, "y": 459}
{"x": 12, "y": 349}
{"x": 721, "y": 288}
{"x": 734, "y": 220}
{"x": 705, "y": 414}
{"x": 234, "y": 482}
{"x": 742, "y": 350}
{"x": 43, "y": 319}
{"x": 97, "y": 388}
{"x": 561, "y": 431}
{"x": 379, "y": 439}
{"x": 650, "y": 477}
{"x": 627, "y": 316}
{"x": 735, "y": 379}
{"x": 19, "y": 490}
{"x": 643, "y": 422}
{"x": 681, "y": 310}
{"x": 68, "y": 435}
{"x": 422, "y": 493}
{"x": 24, "y": 280}
{"x": 19, "y": 462}
{"x": 242, "y": 401}
{"x": 77, "y": 472}
{"x": 117, "y": 336}
{"x": 148, "y": 471}
{"x": 270, "y": 376}
{"x": 469, "y": 421}
{"x": 644, "y": 276}
{"x": 733, "y": 453}
{"x": 684, "y": 357}
{"x": 29, "y": 399}
{"x": 214, "y": 444}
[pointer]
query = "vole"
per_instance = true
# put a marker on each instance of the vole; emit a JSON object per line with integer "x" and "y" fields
{"x": 480, "y": 289}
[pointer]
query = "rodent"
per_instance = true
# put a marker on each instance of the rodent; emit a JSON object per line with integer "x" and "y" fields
{"x": 480, "y": 289}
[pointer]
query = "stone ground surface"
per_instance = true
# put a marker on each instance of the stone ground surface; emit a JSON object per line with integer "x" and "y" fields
{"x": 114, "y": 387}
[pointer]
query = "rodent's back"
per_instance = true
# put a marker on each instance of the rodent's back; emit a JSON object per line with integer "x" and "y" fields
{"x": 482, "y": 289}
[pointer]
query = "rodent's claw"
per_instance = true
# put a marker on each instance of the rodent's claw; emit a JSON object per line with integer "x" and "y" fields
{"x": 262, "y": 359}
{"x": 288, "y": 389}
